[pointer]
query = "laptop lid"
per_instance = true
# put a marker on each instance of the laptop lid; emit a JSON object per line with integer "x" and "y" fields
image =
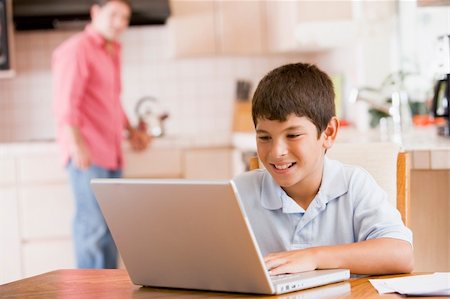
{"x": 183, "y": 234}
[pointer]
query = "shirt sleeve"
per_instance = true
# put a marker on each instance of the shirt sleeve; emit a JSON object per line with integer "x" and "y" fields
{"x": 374, "y": 217}
{"x": 70, "y": 75}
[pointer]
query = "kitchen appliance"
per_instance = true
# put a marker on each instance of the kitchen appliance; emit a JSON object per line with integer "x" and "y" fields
{"x": 441, "y": 98}
{"x": 151, "y": 116}
{"x": 67, "y": 14}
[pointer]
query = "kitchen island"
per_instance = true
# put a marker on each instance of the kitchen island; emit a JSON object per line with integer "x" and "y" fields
{"x": 36, "y": 206}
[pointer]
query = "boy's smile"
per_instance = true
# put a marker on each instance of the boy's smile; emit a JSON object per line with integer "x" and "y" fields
{"x": 293, "y": 154}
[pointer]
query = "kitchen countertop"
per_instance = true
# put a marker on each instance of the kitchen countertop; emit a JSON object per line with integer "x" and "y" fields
{"x": 416, "y": 139}
{"x": 428, "y": 150}
{"x": 166, "y": 142}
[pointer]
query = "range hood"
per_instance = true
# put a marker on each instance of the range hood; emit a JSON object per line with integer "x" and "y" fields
{"x": 54, "y": 14}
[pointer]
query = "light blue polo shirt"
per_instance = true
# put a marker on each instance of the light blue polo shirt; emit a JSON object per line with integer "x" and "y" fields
{"x": 349, "y": 207}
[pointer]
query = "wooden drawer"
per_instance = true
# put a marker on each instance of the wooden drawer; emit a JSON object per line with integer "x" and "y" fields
{"x": 7, "y": 171}
{"x": 42, "y": 168}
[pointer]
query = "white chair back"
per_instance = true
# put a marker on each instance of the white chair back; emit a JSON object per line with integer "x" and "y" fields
{"x": 379, "y": 159}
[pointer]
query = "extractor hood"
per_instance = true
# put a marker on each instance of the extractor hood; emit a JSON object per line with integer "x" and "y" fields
{"x": 51, "y": 14}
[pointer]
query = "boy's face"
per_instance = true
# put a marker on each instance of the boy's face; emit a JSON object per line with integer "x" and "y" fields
{"x": 111, "y": 19}
{"x": 291, "y": 151}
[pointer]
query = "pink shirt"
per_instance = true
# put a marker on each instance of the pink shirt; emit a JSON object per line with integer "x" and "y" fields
{"x": 86, "y": 90}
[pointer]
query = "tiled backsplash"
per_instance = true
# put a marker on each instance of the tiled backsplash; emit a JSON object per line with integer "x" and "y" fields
{"x": 198, "y": 93}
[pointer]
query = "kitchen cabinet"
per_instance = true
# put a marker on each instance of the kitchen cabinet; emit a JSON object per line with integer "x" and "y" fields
{"x": 10, "y": 254}
{"x": 36, "y": 205}
{"x": 35, "y": 212}
{"x": 192, "y": 28}
{"x": 153, "y": 163}
{"x": 240, "y": 27}
{"x": 308, "y": 26}
{"x": 217, "y": 28}
{"x": 262, "y": 27}
{"x": 209, "y": 163}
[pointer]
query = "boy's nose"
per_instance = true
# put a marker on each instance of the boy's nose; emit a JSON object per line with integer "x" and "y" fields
{"x": 279, "y": 149}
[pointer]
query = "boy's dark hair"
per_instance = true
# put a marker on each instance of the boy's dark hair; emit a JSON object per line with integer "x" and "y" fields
{"x": 104, "y": 2}
{"x": 300, "y": 88}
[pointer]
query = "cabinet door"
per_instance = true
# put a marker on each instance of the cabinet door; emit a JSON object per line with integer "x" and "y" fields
{"x": 7, "y": 171}
{"x": 153, "y": 163}
{"x": 47, "y": 255}
{"x": 312, "y": 11}
{"x": 281, "y": 19}
{"x": 307, "y": 26}
{"x": 41, "y": 168}
{"x": 192, "y": 28}
{"x": 241, "y": 26}
{"x": 10, "y": 254}
{"x": 208, "y": 164}
{"x": 47, "y": 211}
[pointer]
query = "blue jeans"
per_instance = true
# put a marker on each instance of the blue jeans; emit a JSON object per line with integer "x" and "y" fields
{"x": 94, "y": 246}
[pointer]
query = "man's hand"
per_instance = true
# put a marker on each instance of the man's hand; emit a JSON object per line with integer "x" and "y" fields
{"x": 139, "y": 139}
{"x": 293, "y": 261}
{"x": 80, "y": 156}
{"x": 79, "y": 152}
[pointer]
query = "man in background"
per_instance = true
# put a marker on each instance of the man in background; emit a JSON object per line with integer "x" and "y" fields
{"x": 91, "y": 122}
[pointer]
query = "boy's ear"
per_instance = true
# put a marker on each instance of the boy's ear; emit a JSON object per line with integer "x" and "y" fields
{"x": 330, "y": 132}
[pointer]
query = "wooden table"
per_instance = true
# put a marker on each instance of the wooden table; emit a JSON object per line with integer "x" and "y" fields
{"x": 116, "y": 284}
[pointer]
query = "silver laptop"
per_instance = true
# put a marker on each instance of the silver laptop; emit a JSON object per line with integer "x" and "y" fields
{"x": 192, "y": 235}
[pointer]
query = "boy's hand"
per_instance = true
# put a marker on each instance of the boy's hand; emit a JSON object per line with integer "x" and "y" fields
{"x": 293, "y": 261}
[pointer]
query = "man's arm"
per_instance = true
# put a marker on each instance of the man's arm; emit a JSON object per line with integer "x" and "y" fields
{"x": 70, "y": 73}
{"x": 375, "y": 256}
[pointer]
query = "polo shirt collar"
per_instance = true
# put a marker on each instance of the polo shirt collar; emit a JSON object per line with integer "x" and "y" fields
{"x": 334, "y": 184}
{"x": 334, "y": 181}
{"x": 271, "y": 193}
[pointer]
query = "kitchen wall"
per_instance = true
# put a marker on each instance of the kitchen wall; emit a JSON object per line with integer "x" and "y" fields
{"x": 198, "y": 93}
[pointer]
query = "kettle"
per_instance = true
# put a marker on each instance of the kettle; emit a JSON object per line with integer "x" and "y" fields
{"x": 151, "y": 116}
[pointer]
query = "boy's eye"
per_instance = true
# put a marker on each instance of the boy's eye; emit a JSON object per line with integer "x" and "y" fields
{"x": 263, "y": 138}
{"x": 293, "y": 135}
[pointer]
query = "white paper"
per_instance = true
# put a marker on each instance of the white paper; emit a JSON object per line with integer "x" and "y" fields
{"x": 437, "y": 284}
{"x": 381, "y": 286}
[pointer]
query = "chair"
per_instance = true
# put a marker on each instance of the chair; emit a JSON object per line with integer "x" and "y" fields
{"x": 386, "y": 162}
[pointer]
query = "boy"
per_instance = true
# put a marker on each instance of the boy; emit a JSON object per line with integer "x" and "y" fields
{"x": 309, "y": 212}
